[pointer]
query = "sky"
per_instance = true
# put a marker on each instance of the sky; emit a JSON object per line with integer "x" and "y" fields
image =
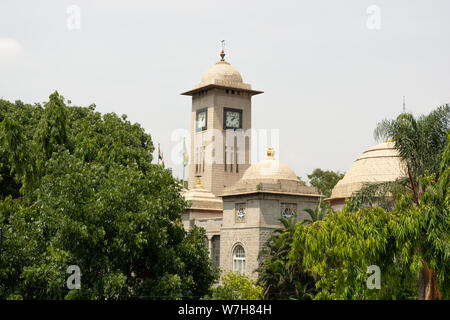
{"x": 330, "y": 70}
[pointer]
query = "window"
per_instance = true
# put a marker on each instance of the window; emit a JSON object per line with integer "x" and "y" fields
{"x": 241, "y": 212}
{"x": 198, "y": 159}
{"x": 288, "y": 210}
{"x": 239, "y": 259}
{"x": 203, "y": 157}
{"x": 201, "y": 119}
{"x": 215, "y": 248}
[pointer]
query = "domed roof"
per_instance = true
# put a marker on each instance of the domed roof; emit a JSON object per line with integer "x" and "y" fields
{"x": 222, "y": 73}
{"x": 269, "y": 169}
{"x": 270, "y": 176}
{"x": 202, "y": 199}
{"x": 378, "y": 164}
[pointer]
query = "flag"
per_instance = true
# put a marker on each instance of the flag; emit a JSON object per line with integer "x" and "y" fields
{"x": 160, "y": 157}
{"x": 185, "y": 154}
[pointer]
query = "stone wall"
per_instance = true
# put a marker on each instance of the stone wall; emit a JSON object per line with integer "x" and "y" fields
{"x": 263, "y": 212}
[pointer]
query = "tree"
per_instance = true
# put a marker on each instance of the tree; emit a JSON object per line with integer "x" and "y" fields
{"x": 27, "y": 116}
{"x": 324, "y": 181}
{"x": 88, "y": 195}
{"x": 420, "y": 143}
{"x": 236, "y": 286}
{"x": 379, "y": 194}
{"x": 320, "y": 211}
{"x": 339, "y": 250}
{"x": 426, "y": 231}
{"x": 280, "y": 278}
{"x": 411, "y": 239}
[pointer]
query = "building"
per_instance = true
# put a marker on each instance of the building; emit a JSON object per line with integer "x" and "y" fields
{"x": 381, "y": 163}
{"x": 268, "y": 191}
{"x": 237, "y": 203}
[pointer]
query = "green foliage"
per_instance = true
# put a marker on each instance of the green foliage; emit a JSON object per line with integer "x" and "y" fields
{"x": 52, "y": 128}
{"x": 19, "y": 127}
{"x": 320, "y": 211}
{"x": 280, "y": 278}
{"x": 339, "y": 250}
{"x": 82, "y": 191}
{"x": 236, "y": 286}
{"x": 324, "y": 180}
{"x": 379, "y": 194}
{"x": 429, "y": 225}
{"x": 420, "y": 143}
{"x": 422, "y": 146}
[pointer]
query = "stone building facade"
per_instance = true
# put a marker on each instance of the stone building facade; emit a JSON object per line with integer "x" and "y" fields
{"x": 252, "y": 209}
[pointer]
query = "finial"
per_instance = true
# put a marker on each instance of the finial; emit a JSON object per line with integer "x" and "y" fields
{"x": 270, "y": 153}
{"x": 222, "y": 54}
{"x": 199, "y": 184}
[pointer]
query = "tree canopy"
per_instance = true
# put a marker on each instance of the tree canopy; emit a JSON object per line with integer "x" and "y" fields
{"x": 411, "y": 239}
{"x": 280, "y": 278}
{"x": 236, "y": 286}
{"x": 79, "y": 188}
{"x": 401, "y": 227}
{"x": 324, "y": 180}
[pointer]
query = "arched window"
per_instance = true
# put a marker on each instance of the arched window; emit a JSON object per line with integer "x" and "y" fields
{"x": 239, "y": 259}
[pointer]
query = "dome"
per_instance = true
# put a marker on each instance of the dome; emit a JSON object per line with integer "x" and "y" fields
{"x": 202, "y": 199}
{"x": 270, "y": 176}
{"x": 380, "y": 163}
{"x": 269, "y": 169}
{"x": 222, "y": 73}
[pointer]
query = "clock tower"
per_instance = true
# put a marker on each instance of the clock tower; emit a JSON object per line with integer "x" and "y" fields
{"x": 220, "y": 128}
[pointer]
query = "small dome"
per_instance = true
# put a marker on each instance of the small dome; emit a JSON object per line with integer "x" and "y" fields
{"x": 222, "y": 73}
{"x": 378, "y": 164}
{"x": 202, "y": 198}
{"x": 269, "y": 169}
{"x": 271, "y": 176}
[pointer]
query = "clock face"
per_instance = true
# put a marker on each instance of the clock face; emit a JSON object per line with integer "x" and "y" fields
{"x": 201, "y": 120}
{"x": 233, "y": 119}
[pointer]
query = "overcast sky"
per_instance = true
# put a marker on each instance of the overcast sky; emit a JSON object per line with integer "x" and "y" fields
{"x": 330, "y": 70}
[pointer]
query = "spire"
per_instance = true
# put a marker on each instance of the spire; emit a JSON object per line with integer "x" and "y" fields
{"x": 222, "y": 54}
{"x": 403, "y": 113}
{"x": 199, "y": 183}
{"x": 270, "y": 153}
